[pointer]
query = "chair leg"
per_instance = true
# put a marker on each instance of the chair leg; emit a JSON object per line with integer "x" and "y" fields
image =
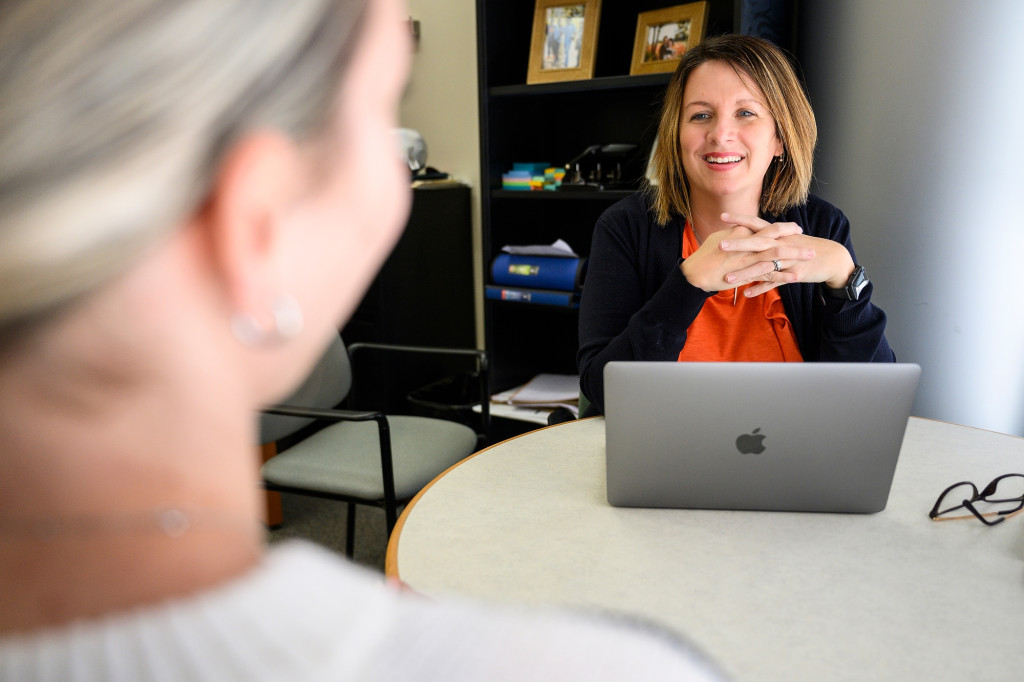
{"x": 350, "y": 537}
{"x": 275, "y": 516}
{"x": 390, "y": 516}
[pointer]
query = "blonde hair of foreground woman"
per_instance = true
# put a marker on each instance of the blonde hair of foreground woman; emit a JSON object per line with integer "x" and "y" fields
{"x": 117, "y": 117}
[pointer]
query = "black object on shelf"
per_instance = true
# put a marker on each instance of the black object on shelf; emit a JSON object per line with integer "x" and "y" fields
{"x": 600, "y": 167}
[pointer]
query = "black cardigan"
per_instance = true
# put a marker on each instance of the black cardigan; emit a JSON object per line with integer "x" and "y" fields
{"x": 637, "y": 305}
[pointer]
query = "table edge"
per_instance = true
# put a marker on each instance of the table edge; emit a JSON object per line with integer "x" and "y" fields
{"x": 391, "y": 556}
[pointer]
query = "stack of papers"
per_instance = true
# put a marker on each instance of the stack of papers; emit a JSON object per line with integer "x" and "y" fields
{"x": 534, "y": 400}
{"x": 557, "y": 248}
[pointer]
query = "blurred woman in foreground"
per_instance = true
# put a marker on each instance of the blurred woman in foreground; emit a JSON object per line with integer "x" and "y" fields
{"x": 194, "y": 194}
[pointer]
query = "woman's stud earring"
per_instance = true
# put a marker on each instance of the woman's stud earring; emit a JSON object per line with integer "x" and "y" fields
{"x": 288, "y": 323}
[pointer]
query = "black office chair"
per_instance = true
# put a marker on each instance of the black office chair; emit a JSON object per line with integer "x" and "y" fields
{"x": 363, "y": 457}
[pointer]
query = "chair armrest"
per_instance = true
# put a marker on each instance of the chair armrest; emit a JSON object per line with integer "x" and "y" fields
{"x": 480, "y": 355}
{"x": 482, "y": 365}
{"x": 322, "y": 413}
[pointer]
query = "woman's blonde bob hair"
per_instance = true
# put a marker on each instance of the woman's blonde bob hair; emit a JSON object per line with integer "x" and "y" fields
{"x": 117, "y": 115}
{"x": 788, "y": 179}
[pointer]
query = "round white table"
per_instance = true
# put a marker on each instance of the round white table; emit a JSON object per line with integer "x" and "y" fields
{"x": 769, "y": 595}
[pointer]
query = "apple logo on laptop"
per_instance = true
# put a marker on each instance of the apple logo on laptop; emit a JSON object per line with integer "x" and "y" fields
{"x": 751, "y": 443}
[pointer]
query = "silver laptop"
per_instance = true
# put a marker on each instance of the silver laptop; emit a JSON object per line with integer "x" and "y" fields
{"x": 815, "y": 437}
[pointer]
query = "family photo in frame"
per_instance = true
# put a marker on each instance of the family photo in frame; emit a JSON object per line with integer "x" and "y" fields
{"x": 564, "y": 40}
{"x": 662, "y": 36}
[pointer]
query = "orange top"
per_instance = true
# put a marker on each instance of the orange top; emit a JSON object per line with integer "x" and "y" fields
{"x": 753, "y": 330}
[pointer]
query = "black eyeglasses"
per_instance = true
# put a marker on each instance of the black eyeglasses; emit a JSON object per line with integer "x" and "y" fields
{"x": 1006, "y": 490}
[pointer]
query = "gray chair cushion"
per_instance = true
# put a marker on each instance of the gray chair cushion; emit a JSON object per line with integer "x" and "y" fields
{"x": 344, "y": 458}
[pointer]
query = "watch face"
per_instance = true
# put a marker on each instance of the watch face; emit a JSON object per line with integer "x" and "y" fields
{"x": 858, "y": 281}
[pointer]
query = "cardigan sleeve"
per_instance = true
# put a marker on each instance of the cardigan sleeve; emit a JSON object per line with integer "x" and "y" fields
{"x": 636, "y": 304}
{"x": 830, "y": 329}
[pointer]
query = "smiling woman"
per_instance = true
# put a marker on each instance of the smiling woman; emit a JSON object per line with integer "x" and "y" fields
{"x": 726, "y": 256}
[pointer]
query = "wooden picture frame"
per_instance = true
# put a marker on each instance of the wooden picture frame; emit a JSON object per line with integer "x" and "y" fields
{"x": 663, "y": 35}
{"x": 564, "y": 41}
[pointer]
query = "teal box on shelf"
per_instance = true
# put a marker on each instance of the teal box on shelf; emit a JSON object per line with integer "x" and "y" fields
{"x": 533, "y": 168}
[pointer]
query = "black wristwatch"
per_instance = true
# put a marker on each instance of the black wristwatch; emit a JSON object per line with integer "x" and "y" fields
{"x": 851, "y": 292}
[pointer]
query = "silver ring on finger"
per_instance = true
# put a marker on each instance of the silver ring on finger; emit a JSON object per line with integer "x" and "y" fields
{"x": 778, "y": 266}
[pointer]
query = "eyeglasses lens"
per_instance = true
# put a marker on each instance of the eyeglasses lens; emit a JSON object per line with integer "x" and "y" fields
{"x": 1006, "y": 493}
{"x": 954, "y": 497}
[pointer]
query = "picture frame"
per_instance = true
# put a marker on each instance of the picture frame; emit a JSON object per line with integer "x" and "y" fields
{"x": 564, "y": 40}
{"x": 663, "y": 35}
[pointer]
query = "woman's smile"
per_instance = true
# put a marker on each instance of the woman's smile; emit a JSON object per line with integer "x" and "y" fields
{"x": 723, "y": 162}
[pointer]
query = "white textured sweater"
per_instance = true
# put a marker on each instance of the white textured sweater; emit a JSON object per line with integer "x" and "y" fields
{"x": 306, "y": 614}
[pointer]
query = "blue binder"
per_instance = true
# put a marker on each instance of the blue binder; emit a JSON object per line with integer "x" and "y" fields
{"x": 563, "y": 299}
{"x": 539, "y": 272}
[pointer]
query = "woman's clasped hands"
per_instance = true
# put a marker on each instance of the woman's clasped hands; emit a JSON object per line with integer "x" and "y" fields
{"x": 767, "y": 254}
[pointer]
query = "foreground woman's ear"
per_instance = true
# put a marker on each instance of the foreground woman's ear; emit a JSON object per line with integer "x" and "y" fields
{"x": 258, "y": 183}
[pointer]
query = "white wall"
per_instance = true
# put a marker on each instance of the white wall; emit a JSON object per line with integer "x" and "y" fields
{"x": 441, "y": 103}
{"x": 919, "y": 107}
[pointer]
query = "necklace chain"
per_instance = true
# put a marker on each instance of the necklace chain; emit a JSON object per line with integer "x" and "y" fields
{"x": 172, "y": 522}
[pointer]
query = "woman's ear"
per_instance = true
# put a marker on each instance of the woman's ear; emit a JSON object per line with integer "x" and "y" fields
{"x": 258, "y": 182}
{"x": 780, "y": 147}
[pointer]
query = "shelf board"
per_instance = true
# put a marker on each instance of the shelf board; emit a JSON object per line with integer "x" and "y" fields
{"x": 602, "y": 195}
{"x": 590, "y": 85}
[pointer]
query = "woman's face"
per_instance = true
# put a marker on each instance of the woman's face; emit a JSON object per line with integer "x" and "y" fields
{"x": 727, "y": 136}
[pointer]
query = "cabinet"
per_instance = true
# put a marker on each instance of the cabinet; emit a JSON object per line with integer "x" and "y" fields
{"x": 423, "y": 296}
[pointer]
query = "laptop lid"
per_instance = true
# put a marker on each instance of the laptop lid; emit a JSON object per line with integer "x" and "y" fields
{"x": 820, "y": 437}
